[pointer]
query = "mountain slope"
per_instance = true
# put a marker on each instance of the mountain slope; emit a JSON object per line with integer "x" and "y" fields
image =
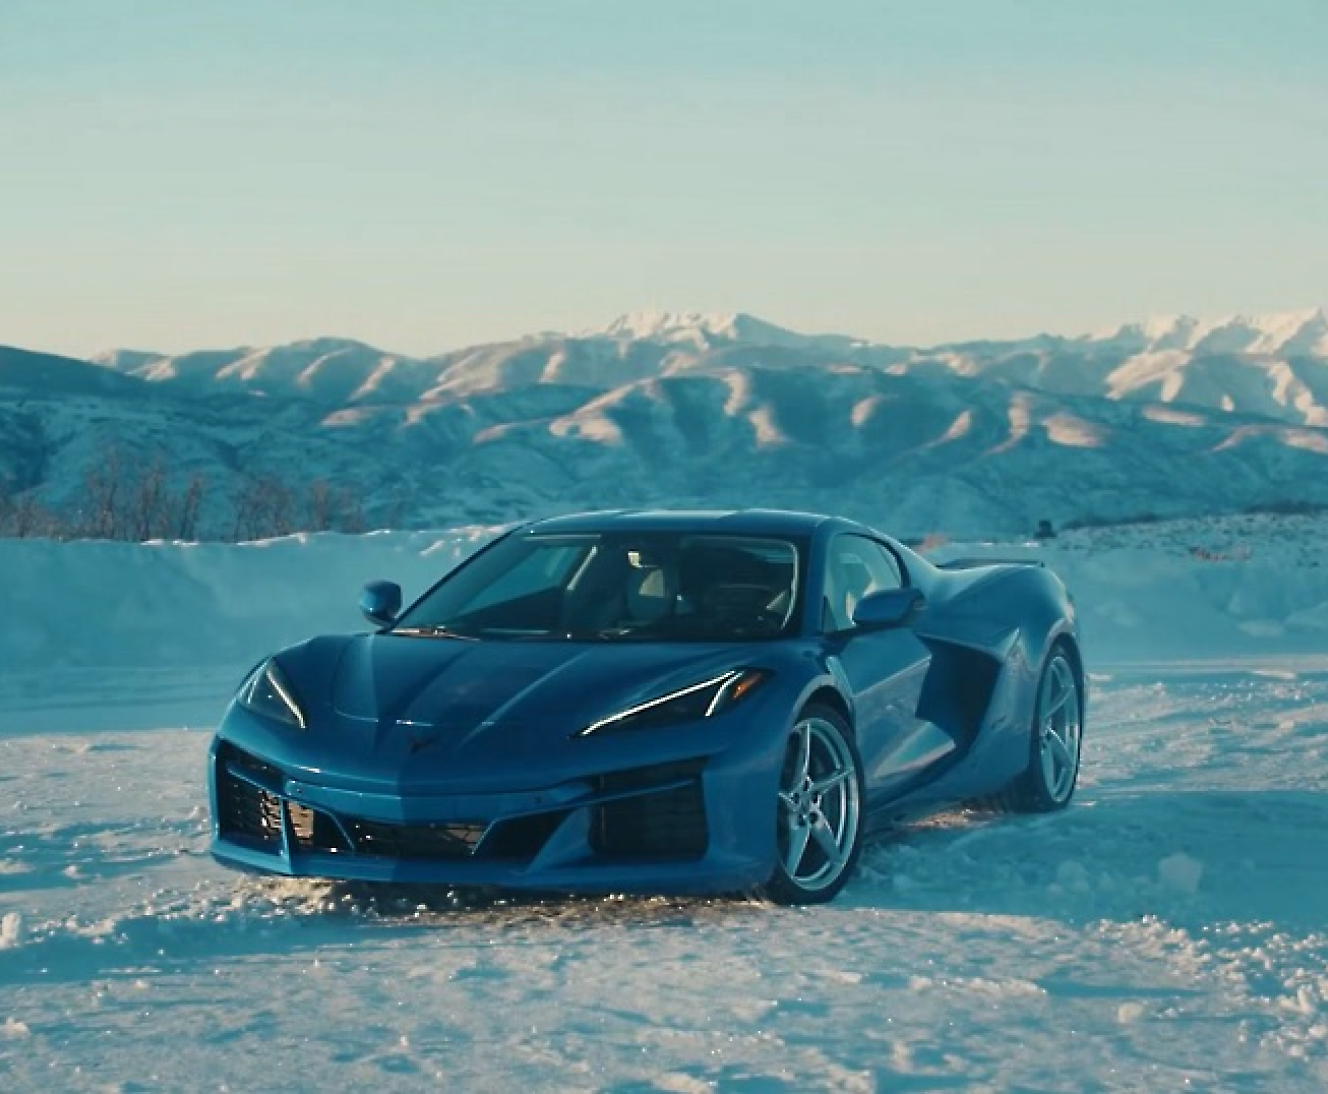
{"x": 24, "y": 370}
{"x": 971, "y": 439}
{"x": 329, "y": 370}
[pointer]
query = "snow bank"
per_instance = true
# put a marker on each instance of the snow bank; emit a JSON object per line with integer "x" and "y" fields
{"x": 1177, "y": 589}
{"x": 1245, "y": 585}
{"x": 99, "y": 604}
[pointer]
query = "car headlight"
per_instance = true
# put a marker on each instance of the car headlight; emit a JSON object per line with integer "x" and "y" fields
{"x": 267, "y": 692}
{"x": 689, "y": 704}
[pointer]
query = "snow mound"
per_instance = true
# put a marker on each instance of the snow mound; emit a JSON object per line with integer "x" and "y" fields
{"x": 1250, "y": 585}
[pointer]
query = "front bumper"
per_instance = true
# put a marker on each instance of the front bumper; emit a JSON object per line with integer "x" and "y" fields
{"x": 696, "y": 825}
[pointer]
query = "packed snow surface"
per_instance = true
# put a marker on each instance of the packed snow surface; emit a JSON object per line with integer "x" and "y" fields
{"x": 1168, "y": 932}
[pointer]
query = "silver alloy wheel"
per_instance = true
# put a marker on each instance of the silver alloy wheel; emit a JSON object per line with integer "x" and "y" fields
{"x": 1059, "y": 728}
{"x": 819, "y": 805}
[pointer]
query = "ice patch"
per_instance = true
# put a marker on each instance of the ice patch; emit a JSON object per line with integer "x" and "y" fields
{"x": 11, "y": 928}
{"x": 1129, "y": 1013}
{"x": 1072, "y": 877}
{"x": 1180, "y": 872}
{"x": 978, "y": 986}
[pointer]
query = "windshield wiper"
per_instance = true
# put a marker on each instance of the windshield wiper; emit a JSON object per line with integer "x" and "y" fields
{"x": 435, "y": 630}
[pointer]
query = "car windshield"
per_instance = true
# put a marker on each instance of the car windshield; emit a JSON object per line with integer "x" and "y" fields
{"x": 620, "y": 586}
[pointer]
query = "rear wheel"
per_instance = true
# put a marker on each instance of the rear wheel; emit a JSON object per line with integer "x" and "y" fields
{"x": 1056, "y": 742}
{"x": 819, "y": 810}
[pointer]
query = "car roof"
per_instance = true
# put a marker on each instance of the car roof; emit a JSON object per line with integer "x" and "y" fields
{"x": 725, "y": 521}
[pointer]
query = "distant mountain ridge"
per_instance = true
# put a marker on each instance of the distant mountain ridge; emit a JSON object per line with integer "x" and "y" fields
{"x": 1173, "y": 417}
{"x": 1267, "y": 365}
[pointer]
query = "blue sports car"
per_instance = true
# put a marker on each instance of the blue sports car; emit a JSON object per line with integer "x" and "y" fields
{"x": 654, "y": 702}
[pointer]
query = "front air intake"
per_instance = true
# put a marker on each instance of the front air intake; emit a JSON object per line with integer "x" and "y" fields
{"x": 663, "y": 815}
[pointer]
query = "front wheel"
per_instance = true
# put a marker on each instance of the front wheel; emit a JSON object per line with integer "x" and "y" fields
{"x": 818, "y": 809}
{"x": 1056, "y": 742}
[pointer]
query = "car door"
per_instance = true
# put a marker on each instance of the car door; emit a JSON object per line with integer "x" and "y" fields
{"x": 884, "y": 671}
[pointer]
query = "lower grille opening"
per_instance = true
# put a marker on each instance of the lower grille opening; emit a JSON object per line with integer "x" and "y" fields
{"x": 312, "y": 830}
{"x": 456, "y": 839}
{"x": 662, "y": 816}
{"x": 521, "y": 838}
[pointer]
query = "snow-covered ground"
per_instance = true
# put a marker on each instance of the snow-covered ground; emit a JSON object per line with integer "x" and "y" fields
{"x": 1170, "y": 931}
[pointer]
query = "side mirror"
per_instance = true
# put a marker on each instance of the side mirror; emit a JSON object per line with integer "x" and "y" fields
{"x": 381, "y": 603}
{"x": 889, "y": 608}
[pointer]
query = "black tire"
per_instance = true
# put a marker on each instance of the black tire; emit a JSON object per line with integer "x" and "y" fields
{"x": 1056, "y": 742}
{"x": 818, "y": 810}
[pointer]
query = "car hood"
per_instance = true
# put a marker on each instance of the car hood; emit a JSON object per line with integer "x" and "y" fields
{"x": 409, "y": 709}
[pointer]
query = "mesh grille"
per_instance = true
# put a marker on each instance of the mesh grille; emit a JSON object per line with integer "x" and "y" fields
{"x": 246, "y": 811}
{"x": 666, "y": 823}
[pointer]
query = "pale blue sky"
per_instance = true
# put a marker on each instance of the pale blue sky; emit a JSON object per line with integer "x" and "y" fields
{"x": 179, "y": 174}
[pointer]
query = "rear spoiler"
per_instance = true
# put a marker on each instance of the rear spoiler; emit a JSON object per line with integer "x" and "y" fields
{"x": 978, "y": 563}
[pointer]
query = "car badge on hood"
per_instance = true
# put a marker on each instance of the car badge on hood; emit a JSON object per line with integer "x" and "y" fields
{"x": 419, "y": 744}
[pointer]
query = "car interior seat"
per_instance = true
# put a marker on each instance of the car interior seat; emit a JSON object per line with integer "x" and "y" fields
{"x": 649, "y": 593}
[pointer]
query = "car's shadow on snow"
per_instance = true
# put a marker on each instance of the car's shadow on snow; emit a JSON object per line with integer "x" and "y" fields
{"x": 1184, "y": 856}
{"x": 1180, "y": 855}
{"x": 432, "y": 905}
{"x": 256, "y": 919}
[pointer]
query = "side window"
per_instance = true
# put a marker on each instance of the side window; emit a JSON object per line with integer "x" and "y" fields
{"x": 855, "y": 567}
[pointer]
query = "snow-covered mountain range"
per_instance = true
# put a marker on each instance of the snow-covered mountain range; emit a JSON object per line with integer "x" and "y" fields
{"x": 1170, "y": 417}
